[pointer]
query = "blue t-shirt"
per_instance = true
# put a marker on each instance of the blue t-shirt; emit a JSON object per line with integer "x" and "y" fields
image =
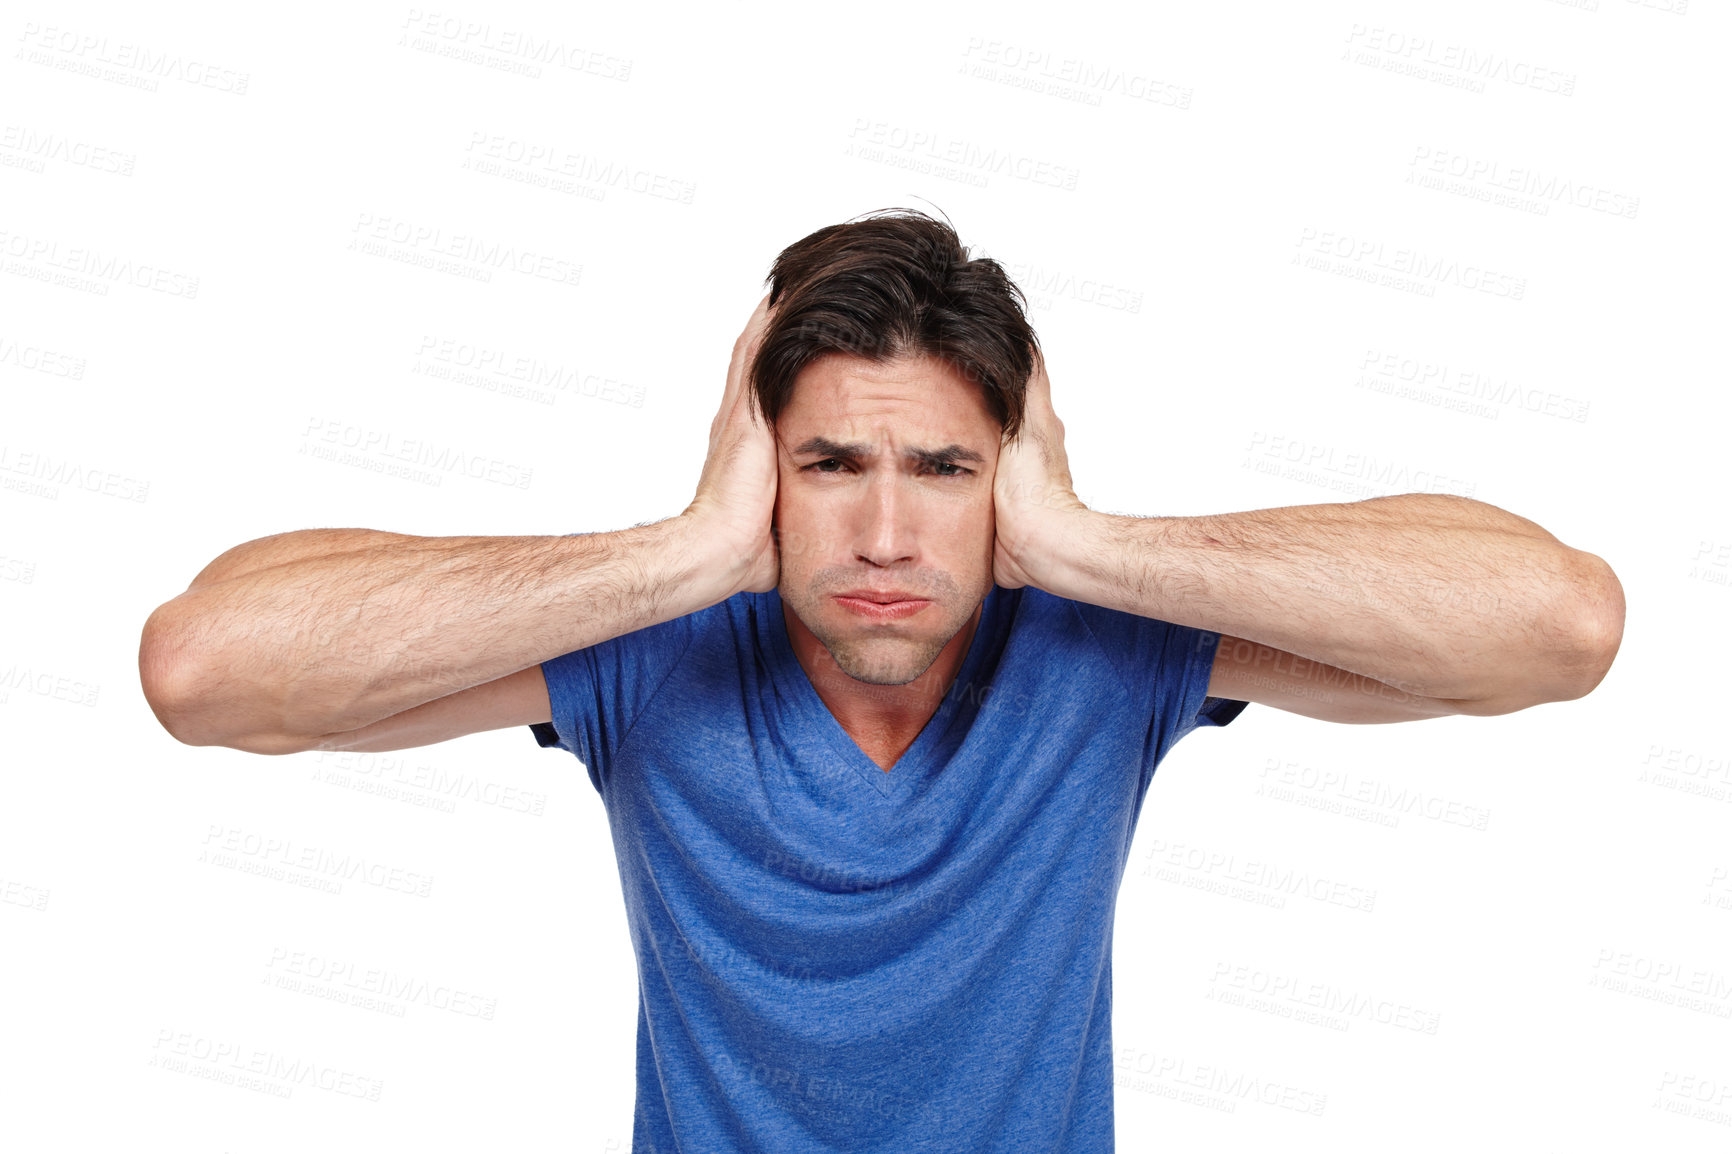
{"x": 836, "y": 958}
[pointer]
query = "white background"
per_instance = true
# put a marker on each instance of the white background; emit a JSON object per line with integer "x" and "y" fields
{"x": 1277, "y": 255}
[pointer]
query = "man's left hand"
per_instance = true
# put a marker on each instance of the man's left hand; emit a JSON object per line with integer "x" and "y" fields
{"x": 1032, "y": 495}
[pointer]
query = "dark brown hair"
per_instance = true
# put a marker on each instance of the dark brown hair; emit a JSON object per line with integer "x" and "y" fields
{"x": 890, "y": 284}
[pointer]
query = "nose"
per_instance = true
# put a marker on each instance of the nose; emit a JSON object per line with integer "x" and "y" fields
{"x": 886, "y": 531}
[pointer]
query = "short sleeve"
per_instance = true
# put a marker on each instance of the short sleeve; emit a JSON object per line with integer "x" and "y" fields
{"x": 1165, "y": 668}
{"x": 598, "y": 693}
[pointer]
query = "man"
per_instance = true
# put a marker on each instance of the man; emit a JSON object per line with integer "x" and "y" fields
{"x": 873, "y": 719}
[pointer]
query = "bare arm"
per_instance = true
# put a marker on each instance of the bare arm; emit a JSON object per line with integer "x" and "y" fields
{"x": 333, "y": 642}
{"x": 514, "y": 700}
{"x": 1406, "y": 606}
{"x": 296, "y": 546}
{"x": 356, "y": 639}
{"x": 1440, "y": 597}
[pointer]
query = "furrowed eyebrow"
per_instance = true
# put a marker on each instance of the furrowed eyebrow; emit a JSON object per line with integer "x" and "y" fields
{"x": 859, "y": 450}
{"x": 948, "y": 455}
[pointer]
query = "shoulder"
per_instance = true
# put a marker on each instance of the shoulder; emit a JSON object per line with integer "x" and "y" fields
{"x": 1049, "y": 631}
{"x": 1147, "y": 653}
{"x": 1118, "y": 633}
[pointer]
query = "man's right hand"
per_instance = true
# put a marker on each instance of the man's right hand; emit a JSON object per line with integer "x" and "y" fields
{"x": 736, "y": 498}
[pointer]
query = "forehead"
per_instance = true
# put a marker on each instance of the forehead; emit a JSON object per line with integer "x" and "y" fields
{"x": 920, "y": 394}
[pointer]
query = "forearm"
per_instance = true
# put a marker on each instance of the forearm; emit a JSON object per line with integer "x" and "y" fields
{"x": 1440, "y": 596}
{"x": 335, "y": 642}
{"x": 299, "y": 545}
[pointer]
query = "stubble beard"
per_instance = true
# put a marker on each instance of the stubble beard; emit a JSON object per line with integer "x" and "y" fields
{"x": 873, "y": 660}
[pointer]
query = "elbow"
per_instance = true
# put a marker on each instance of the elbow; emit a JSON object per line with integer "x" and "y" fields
{"x": 172, "y": 683}
{"x": 177, "y": 691}
{"x": 1596, "y": 614}
{"x": 1588, "y": 629}
{"x": 163, "y": 677}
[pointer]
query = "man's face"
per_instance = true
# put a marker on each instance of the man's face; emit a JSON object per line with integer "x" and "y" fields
{"x": 885, "y": 487}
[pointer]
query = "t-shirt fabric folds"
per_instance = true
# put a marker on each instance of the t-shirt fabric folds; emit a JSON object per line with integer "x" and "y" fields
{"x": 832, "y": 957}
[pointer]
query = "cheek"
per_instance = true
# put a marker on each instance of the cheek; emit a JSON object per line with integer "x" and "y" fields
{"x": 791, "y": 507}
{"x": 967, "y": 527}
{"x": 800, "y": 527}
{"x": 958, "y": 510}
{"x": 980, "y": 510}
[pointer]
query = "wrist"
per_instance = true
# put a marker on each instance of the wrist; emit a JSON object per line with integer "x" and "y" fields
{"x": 711, "y": 565}
{"x": 1108, "y": 560}
{"x": 1056, "y": 549}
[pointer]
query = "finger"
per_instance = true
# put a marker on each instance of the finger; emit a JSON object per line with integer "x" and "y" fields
{"x": 746, "y": 346}
{"x": 758, "y": 311}
{"x": 1040, "y": 385}
{"x": 762, "y": 318}
{"x": 743, "y": 350}
{"x": 758, "y": 326}
{"x": 757, "y": 322}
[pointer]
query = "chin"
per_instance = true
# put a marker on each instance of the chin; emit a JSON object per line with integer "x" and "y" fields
{"x": 880, "y": 663}
{"x": 871, "y": 654}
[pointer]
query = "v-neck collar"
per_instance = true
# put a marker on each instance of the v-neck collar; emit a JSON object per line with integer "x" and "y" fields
{"x": 915, "y": 764}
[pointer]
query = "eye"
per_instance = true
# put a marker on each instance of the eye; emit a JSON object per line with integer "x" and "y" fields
{"x": 942, "y": 469}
